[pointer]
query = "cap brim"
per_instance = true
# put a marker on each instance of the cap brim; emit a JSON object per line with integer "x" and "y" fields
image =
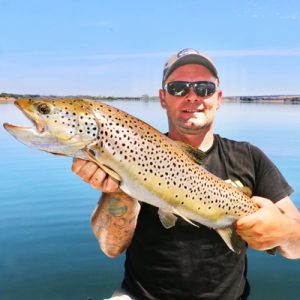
{"x": 191, "y": 59}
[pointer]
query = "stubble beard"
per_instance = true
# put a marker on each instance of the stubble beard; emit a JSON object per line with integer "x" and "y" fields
{"x": 189, "y": 127}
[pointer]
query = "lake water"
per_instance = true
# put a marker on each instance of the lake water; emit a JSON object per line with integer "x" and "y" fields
{"x": 47, "y": 250}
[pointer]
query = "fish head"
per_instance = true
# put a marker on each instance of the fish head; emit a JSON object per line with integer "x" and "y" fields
{"x": 63, "y": 126}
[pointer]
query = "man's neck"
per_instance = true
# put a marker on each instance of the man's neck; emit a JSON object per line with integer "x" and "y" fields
{"x": 202, "y": 140}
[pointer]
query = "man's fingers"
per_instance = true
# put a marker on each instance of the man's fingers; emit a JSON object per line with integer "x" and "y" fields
{"x": 87, "y": 170}
{"x": 98, "y": 179}
{"x": 110, "y": 185}
{"x": 248, "y": 222}
{"x": 77, "y": 165}
{"x": 261, "y": 202}
{"x": 245, "y": 223}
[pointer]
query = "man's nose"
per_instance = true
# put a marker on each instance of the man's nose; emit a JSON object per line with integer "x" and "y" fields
{"x": 192, "y": 96}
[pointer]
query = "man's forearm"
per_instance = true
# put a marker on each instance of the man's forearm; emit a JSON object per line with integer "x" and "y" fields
{"x": 113, "y": 222}
{"x": 291, "y": 249}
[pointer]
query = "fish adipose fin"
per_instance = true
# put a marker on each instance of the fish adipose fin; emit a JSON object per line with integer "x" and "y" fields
{"x": 231, "y": 238}
{"x": 91, "y": 154}
{"x": 195, "y": 154}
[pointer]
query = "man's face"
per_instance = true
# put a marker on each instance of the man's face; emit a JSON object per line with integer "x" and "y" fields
{"x": 190, "y": 114}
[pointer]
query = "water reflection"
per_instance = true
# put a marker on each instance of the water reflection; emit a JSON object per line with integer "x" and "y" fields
{"x": 47, "y": 248}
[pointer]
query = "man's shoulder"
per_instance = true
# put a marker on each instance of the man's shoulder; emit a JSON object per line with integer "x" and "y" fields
{"x": 236, "y": 146}
{"x": 231, "y": 142}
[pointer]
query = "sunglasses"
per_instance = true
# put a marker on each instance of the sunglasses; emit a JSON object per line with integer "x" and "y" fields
{"x": 182, "y": 88}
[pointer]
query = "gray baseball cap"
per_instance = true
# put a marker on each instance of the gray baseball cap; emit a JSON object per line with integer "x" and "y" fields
{"x": 188, "y": 56}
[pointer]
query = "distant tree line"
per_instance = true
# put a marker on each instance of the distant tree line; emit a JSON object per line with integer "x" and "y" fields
{"x": 17, "y": 96}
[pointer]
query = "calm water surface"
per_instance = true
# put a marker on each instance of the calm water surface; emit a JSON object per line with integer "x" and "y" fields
{"x": 47, "y": 250}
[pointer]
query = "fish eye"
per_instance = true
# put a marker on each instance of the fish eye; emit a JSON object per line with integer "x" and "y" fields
{"x": 43, "y": 108}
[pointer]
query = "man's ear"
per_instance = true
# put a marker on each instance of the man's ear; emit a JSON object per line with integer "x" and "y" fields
{"x": 219, "y": 95}
{"x": 162, "y": 95}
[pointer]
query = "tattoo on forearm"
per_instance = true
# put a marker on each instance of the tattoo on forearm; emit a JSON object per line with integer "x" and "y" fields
{"x": 114, "y": 222}
{"x": 116, "y": 207}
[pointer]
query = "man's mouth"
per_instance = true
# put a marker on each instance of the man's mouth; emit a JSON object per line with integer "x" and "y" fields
{"x": 192, "y": 110}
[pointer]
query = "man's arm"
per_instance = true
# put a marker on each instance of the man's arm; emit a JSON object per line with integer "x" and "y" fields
{"x": 273, "y": 225}
{"x": 114, "y": 220}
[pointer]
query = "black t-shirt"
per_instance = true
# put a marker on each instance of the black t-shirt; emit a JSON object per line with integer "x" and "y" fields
{"x": 186, "y": 262}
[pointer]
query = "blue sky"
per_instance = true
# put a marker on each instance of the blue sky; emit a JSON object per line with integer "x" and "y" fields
{"x": 118, "y": 48}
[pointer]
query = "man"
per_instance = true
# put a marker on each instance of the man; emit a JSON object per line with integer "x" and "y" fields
{"x": 186, "y": 262}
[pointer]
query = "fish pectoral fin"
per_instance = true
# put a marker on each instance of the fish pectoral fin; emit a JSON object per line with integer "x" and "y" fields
{"x": 195, "y": 154}
{"x": 167, "y": 218}
{"x": 91, "y": 155}
{"x": 231, "y": 238}
{"x": 110, "y": 172}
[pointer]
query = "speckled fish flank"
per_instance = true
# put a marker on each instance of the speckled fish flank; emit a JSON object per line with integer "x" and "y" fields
{"x": 151, "y": 167}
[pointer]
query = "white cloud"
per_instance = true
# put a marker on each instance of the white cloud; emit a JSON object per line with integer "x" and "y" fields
{"x": 58, "y": 57}
{"x": 293, "y": 16}
{"x": 121, "y": 56}
{"x": 255, "y": 52}
{"x": 216, "y": 53}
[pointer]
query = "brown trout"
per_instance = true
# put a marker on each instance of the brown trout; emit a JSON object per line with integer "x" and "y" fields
{"x": 150, "y": 167}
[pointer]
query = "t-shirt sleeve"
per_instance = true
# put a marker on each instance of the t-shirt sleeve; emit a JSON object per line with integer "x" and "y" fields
{"x": 269, "y": 182}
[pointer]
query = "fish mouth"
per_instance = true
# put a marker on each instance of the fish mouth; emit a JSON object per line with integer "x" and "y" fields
{"x": 38, "y": 126}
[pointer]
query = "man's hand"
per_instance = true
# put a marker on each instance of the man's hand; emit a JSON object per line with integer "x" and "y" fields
{"x": 265, "y": 229}
{"x": 96, "y": 177}
{"x": 115, "y": 217}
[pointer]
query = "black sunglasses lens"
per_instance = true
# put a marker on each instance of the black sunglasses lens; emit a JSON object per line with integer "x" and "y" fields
{"x": 204, "y": 89}
{"x": 178, "y": 88}
{"x": 182, "y": 88}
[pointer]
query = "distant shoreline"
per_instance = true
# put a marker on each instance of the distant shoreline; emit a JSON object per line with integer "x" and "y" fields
{"x": 274, "y": 99}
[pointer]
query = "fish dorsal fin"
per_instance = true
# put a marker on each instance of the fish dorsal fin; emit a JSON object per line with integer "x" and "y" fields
{"x": 231, "y": 238}
{"x": 237, "y": 184}
{"x": 167, "y": 218}
{"x": 91, "y": 154}
{"x": 195, "y": 154}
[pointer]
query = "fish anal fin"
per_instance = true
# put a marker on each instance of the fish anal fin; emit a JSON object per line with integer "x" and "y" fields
{"x": 91, "y": 155}
{"x": 231, "y": 238}
{"x": 195, "y": 154}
